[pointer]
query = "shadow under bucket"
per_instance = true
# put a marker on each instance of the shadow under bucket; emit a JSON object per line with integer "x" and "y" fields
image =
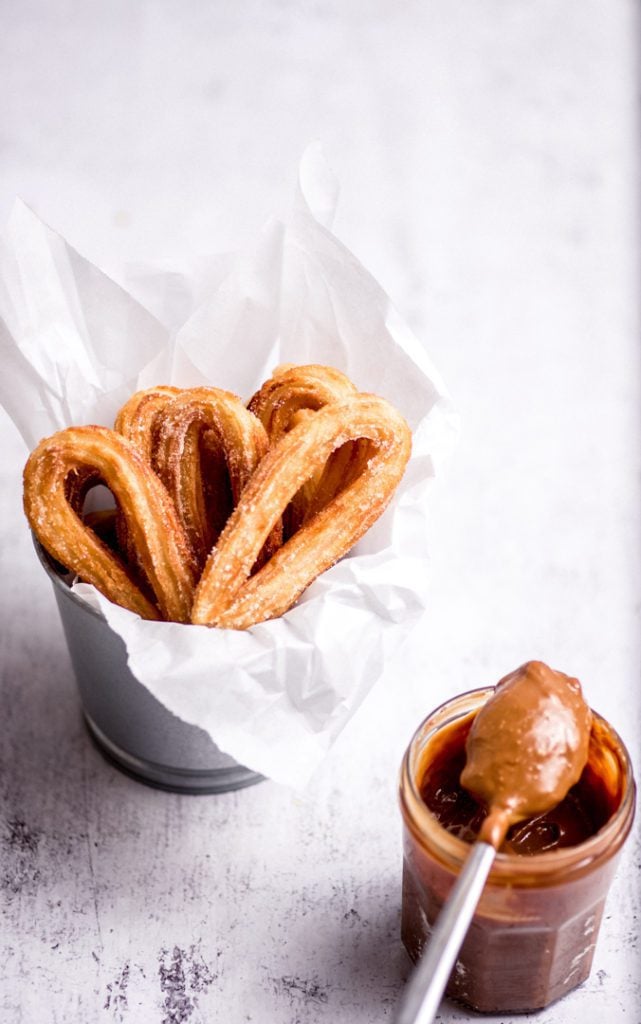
{"x": 131, "y": 728}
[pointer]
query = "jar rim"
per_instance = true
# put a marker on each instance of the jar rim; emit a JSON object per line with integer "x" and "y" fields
{"x": 540, "y": 865}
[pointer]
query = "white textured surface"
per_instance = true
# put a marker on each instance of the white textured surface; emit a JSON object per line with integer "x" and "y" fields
{"x": 490, "y": 177}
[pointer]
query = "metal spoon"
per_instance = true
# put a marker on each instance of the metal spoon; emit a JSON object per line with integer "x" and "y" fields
{"x": 424, "y": 990}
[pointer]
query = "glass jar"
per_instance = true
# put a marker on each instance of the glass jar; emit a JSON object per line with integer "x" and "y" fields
{"x": 533, "y": 935}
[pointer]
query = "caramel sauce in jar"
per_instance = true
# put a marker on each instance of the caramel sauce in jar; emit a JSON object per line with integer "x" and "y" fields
{"x": 533, "y": 935}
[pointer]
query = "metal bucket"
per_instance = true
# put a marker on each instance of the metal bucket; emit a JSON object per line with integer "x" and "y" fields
{"x": 131, "y": 728}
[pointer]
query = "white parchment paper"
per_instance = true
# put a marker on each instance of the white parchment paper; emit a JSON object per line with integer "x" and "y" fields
{"x": 74, "y": 346}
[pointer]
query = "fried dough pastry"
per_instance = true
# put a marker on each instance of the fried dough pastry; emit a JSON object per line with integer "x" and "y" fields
{"x": 201, "y": 484}
{"x": 290, "y": 396}
{"x": 226, "y": 596}
{"x": 137, "y": 418}
{"x": 218, "y": 422}
{"x": 142, "y": 500}
{"x": 292, "y": 388}
{"x": 203, "y": 444}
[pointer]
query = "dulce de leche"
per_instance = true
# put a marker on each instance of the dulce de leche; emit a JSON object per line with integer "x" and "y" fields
{"x": 527, "y": 746}
{"x": 533, "y": 935}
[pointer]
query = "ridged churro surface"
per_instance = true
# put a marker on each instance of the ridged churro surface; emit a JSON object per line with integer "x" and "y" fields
{"x": 142, "y": 500}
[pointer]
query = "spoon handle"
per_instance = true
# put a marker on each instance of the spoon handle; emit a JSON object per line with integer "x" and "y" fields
{"x": 425, "y": 988}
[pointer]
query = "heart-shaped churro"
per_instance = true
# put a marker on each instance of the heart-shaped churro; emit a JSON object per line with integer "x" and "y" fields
{"x": 218, "y": 422}
{"x": 204, "y": 445}
{"x": 143, "y": 501}
{"x": 226, "y": 595}
{"x": 291, "y": 395}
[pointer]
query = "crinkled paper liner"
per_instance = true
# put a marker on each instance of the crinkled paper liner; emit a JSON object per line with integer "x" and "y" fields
{"x": 74, "y": 347}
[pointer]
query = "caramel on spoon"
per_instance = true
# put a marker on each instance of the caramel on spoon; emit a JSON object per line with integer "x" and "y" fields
{"x": 527, "y": 747}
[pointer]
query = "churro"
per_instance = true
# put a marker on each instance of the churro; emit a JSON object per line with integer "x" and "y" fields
{"x": 226, "y": 594}
{"x": 143, "y": 501}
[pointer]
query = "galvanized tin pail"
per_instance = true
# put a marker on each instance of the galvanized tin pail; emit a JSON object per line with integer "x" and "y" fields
{"x": 131, "y": 728}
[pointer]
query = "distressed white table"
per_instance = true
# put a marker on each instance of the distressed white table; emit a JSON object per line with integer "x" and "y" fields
{"x": 490, "y": 180}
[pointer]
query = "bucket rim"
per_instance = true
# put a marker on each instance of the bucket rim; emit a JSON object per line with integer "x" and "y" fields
{"x": 53, "y": 570}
